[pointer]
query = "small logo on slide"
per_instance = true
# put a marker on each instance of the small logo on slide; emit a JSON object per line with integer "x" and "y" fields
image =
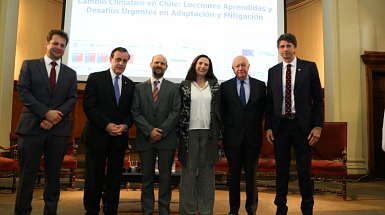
{"x": 266, "y": 53}
{"x": 247, "y": 52}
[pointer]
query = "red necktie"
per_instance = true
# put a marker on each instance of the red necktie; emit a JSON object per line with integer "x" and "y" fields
{"x": 288, "y": 91}
{"x": 52, "y": 76}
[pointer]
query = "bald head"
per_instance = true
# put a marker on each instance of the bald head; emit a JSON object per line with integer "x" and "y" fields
{"x": 158, "y": 66}
{"x": 241, "y": 67}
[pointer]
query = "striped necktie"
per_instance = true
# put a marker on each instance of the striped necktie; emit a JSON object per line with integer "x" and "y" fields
{"x": 156, "y": 92}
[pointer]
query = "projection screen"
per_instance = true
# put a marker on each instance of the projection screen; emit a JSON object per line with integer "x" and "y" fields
{"x": 180, "y": 30}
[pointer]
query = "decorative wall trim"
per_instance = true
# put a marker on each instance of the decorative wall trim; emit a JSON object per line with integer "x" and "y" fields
{"x": 296, "y": 5}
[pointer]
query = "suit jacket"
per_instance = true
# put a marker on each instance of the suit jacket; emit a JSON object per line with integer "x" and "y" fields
{"x": 243, "y": 122}
{"x": 165, "y": 115}
{"x": 35, "y": 94}
{"x": 100, "y": 107}
{"x": 308, "y": 98}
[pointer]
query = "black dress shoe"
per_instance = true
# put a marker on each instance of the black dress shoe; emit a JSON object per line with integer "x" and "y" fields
{"x": 280, "y": 214}
{"x": 233, "y": 213}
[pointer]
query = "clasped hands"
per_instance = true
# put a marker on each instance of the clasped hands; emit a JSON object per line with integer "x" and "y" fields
{"x": 155, "y": 135}
{"x": 52, "y": 117}
{"x": 114, "y": 129}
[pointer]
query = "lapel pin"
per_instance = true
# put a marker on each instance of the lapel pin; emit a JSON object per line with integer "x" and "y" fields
{"x": 299, "y": 70}
{"x": 125, "y": 82}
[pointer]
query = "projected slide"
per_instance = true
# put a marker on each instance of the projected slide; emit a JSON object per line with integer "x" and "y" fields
{"x": 180, "y": 30}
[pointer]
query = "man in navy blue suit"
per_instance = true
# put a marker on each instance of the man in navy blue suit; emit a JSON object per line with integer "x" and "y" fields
{"x": 294, "y": 117}
{"x": 243, "y": 100}
{"x": 47, "y": 88}
{"x": 106, "y": 103}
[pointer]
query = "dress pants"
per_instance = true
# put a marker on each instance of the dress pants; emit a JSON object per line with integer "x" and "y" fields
{"x": 245, "y": 156}
{"x": 30, "y": 148}
{"x": 148, "y": 160}
{"x": 197, "y": 189}
{"x": 96, "y": 179}
{"x": 290, "y": 133}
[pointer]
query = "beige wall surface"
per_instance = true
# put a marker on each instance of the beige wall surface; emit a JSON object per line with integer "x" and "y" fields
{"x": 304, "y": 20}
{"x": 36, "y": 19}
{"x": 345, "y": 85}
{"x": 371, "y": 22}
{"x": 8, "y": 29}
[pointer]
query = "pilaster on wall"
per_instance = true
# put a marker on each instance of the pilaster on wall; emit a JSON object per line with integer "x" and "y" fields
{"x": 343, "y": 86}
{"x": 9, "y": 10}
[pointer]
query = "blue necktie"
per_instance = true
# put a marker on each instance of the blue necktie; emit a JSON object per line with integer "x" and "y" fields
{"x": 242, "y": 94}
{"x": 116, "y": 89}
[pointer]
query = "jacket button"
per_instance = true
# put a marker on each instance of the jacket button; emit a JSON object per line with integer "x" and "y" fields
{"x": 211, "y": 113}
{"x": 154, "y": 114}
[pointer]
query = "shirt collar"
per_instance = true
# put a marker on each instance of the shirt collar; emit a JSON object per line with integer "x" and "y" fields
{"x": 113, "y": 75}
{"x": 293, "y": 63}
{"x": 48, "y": 60}
{"x": 247, "y": 80}
{"x": 154, "y": 79}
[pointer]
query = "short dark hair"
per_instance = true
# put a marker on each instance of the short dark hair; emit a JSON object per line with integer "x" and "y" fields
{"x": 58, "y": 32}
{"x": 290, "y": 38}
{"x": 119, "y": 49}
{"x": 192, "y": 74}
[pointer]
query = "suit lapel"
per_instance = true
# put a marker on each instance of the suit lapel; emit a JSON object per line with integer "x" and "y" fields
{"x": 279, "y": 77}
{"x": 253, "y": 91}
{"x": 62, "y": 74}
{"x": 149, "y": 92}
{"x": 43, "y": 72}
{"x": 124, "y": 88}
{"x": 298, "y": 73}
{"x": 110, "y": 86}
{"x": 161, "y": 92}
{"x": 235, "y": 90}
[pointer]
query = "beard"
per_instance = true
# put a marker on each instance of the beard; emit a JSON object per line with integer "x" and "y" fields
{"x": 156, "y": 74}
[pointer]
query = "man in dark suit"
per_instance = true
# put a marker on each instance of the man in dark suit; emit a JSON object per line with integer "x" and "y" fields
{"x": 156, "y": 111}
{"x": 243, "y": 105}
{"x": 294, "y": 117}
{"x": 107, "y": 103}
{"x": 47, "y": 88}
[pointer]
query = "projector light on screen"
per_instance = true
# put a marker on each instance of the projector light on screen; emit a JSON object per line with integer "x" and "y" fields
{"x": 179, "y": 30}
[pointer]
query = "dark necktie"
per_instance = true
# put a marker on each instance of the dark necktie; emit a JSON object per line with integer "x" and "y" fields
{"x": 116, "y": 89}
{"x": 288, "y": 91}
{"x": 156, "y": 92}
{"x": 52, "y": 76}
{"x": 242, "y": 94}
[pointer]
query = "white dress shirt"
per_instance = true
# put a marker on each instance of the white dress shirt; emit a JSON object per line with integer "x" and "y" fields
{"x": 113, "y": 75}
{"x": 246, "y": 86}
{"x": 158, "y": 85}
{"x": 48, "y": 66}
{"x": 293, "y": 71}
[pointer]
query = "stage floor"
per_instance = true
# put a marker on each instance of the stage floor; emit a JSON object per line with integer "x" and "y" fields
{"x": 364, "y": 198}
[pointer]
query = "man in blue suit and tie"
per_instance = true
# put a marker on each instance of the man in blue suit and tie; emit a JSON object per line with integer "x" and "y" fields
{"x": 294, "y": 117}
{"x": 47, "y": 88}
